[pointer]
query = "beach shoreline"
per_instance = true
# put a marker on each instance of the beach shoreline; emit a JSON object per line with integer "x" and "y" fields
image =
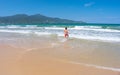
{"x": 44, "y": 51}
{"x": 28, "y": 61}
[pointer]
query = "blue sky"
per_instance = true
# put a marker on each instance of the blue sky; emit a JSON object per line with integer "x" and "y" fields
{"x": 91, "y": 11}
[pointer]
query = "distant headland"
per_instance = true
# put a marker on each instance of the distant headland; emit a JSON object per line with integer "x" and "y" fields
{"x": 34, "y": 19}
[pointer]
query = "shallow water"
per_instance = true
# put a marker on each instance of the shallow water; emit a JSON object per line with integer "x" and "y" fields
{"x": 98, "y": 53}
{"x": 98, "y": 32}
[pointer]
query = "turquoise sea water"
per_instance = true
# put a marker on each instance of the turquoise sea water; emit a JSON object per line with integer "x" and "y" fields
{"x": 98, "y": 32}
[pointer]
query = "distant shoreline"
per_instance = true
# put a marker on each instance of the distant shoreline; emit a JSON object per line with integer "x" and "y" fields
{"x": 34, "y": 19}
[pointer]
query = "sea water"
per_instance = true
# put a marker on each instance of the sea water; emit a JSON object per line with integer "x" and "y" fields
{"x": 98, "y": 32}
{"x": 95, "y": 44}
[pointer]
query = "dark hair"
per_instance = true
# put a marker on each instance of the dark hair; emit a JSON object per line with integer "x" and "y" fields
{"x": 66, "y": 28}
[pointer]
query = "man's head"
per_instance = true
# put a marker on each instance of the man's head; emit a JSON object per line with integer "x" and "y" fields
{"x": 65, "y": 28}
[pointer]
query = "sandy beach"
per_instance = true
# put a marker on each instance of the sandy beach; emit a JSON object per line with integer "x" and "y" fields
{"x": 60, "y": 37}
{"x": 39, "y": 60}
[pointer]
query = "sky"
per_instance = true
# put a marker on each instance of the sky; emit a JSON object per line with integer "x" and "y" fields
{"x": 90, "y": 11}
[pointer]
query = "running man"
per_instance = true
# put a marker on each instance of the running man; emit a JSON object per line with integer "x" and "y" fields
{"x": 66, "y": 34}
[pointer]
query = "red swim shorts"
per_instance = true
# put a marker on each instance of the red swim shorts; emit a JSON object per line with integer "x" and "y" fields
{"x": 66, "y": 35}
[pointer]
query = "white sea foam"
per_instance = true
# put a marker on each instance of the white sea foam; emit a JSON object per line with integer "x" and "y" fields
{"x": 96, "y": 66}
{"x": 97, "y": 38}
{"x": 31, "y": 26}
{"x": 2, "y": 27}
{"x": 21, "y": 27}
{"x": 13, "y": 26}
{"x": 104, "y": 30}
{"x": 42, "y": 33}
{"x": 54, "y": 28}
{"x": 80, "y": 32}
{"x": 14, "y": 31}
{"x": 94, "y": 28}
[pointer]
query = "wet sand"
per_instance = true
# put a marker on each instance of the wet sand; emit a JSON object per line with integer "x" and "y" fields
{"x": 38, "y": 61}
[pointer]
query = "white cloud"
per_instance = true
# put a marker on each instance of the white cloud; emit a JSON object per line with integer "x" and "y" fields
{"x": 89, "y": 4}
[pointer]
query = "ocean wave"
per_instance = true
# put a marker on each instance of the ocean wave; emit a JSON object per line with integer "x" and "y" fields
{"x": 80, "y": 32}
{"x": 12, "y": 26}
{"x": 96, "y": 38}
{"x": 21, "y": 27}
{"x": 31, "y": 26}
{"x": 87, "y": 28}
{"x": 56, "y": 28}
{"x": 14, "y": 31}
{"x": 26, "y": 32}
{"x": 42, "y": 33}
{"x": 91, "y": 27}
{"x": 94, "y": 28}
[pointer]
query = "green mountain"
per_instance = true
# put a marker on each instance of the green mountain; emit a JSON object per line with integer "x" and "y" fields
{"x": 33, "y": 19}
